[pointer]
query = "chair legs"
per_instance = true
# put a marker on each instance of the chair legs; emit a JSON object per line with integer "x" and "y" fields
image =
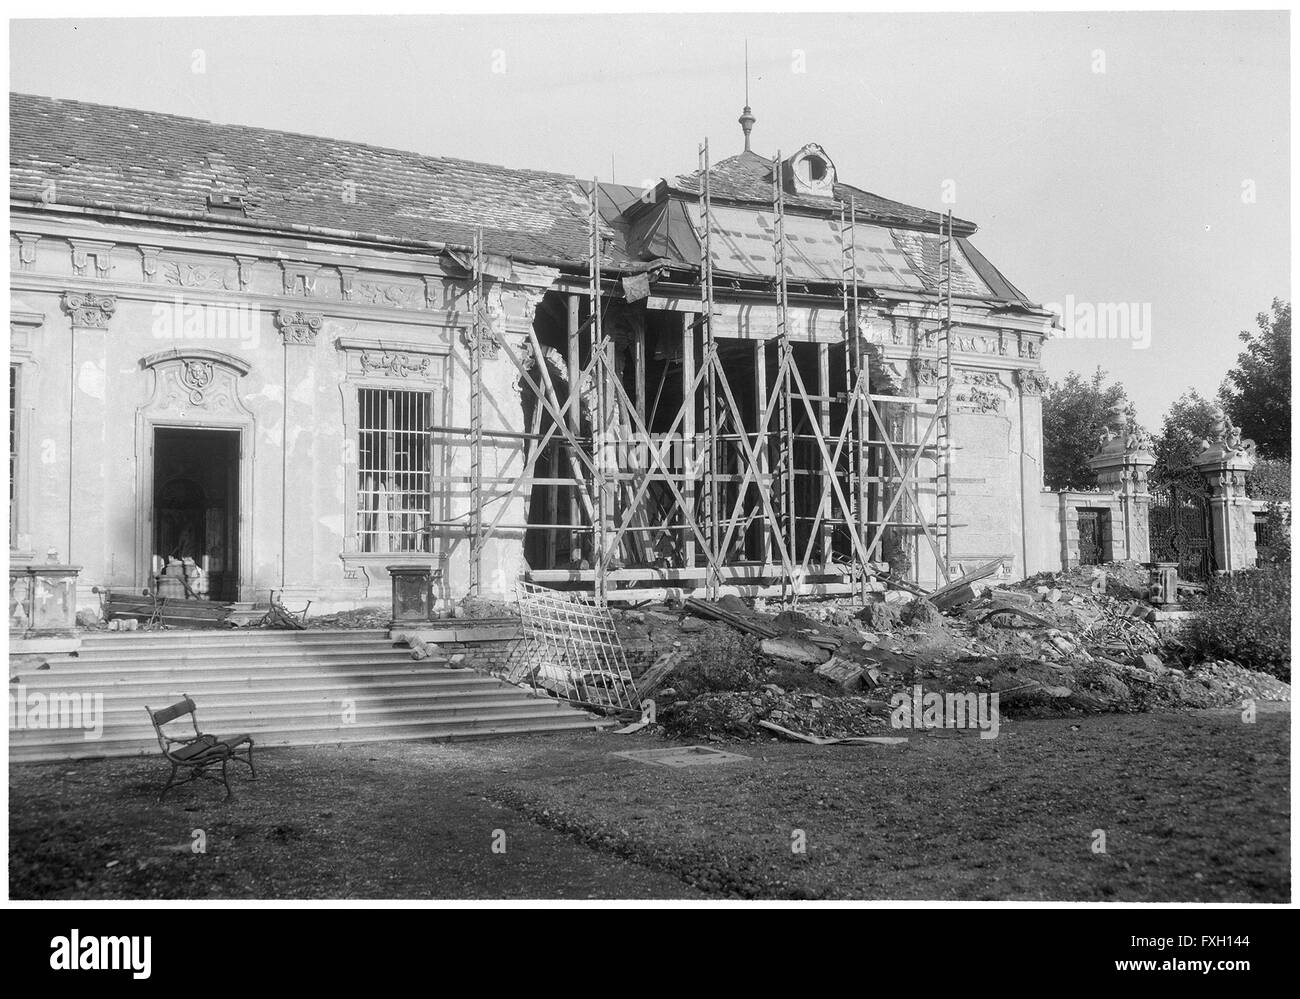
{"x": 247, "y": 760}
{"x": 202, "y": 771}
{"x": 170, "y": 781}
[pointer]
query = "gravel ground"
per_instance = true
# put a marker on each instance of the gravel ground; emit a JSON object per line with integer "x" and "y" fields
{"x": 1194, "y": 807}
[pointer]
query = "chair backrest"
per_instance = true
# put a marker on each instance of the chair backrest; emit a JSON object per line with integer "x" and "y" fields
{"x": 162, "y": 716}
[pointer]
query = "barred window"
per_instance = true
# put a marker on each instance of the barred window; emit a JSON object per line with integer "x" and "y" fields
{"x": 393, "y": 471}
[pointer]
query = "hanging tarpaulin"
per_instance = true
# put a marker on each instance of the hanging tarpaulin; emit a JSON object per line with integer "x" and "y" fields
{"x": 742, "y": 244}
{"x": 636, "y": 287}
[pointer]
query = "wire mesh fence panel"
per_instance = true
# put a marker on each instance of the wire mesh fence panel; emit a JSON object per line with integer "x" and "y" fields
{"x": 572, "y": 649}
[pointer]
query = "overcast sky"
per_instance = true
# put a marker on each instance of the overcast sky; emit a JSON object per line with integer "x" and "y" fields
{"x": 1137, "y": 158}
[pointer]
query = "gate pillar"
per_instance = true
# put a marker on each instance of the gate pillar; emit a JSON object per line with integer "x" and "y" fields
{"x": 1224, "y": 462}
{"x": 1121, "y": 466}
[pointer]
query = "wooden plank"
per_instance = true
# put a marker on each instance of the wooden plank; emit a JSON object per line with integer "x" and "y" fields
{"x": 822, "y": 740}
{"x": 653, "y": 678}
{"x": 983, "y": 572}
{"x": 705, "y": 609}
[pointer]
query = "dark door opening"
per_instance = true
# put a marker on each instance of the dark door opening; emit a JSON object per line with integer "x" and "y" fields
{"x": 196, "y": 513}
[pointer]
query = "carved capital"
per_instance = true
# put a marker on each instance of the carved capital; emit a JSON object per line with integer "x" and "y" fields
{"x": 1031, "y": 382}
{"x": 88, "y": 309}
{"x": 297, "y": 326}
{"x": 925, "y": 372}
{"x": 480, "y": 333}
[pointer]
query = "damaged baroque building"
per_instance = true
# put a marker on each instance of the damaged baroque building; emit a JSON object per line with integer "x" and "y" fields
{"x": 288, "y": 363}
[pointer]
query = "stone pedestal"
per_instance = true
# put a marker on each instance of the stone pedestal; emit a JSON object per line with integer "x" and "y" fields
{"x": 43, "y": 601}
{"x": 1121, "y": 467}
{"x": 1232, "y": 516}
{"x": 412, "y": 594}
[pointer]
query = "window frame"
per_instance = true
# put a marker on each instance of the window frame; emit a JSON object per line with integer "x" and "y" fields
{"x": 403, "y": 529}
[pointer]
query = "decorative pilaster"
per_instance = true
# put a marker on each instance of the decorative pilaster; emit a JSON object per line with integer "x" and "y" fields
{"x": 1122, "y": 465}
{"x": 1224, "y": 461}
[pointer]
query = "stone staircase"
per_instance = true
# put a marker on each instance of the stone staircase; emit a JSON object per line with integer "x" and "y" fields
{"x": 285, "y": 688}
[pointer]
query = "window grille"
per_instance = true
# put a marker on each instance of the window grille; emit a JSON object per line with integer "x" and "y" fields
{"x": 393, "y": 471}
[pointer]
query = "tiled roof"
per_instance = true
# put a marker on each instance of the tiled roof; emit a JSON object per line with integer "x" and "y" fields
{"x": 145, "y": 160}
{"x": 747, "y": 177}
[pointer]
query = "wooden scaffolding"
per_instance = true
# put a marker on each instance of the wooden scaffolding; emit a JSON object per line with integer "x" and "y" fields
{"x": 659, "y": 454}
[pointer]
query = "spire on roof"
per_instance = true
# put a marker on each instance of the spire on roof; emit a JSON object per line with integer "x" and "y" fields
{"x": 747, "y": 118}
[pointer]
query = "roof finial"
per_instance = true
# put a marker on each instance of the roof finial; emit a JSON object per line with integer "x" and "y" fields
{"x": 747, "y": 118}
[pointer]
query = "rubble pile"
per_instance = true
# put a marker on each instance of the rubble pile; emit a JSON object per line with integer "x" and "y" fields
{"x": 1056, "y": 644}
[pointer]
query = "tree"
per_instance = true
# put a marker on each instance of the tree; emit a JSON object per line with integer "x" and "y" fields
{"x": 1257, "y": 393}
{"x": 1074, "y": 414}
{"x": 1190, "y": 420}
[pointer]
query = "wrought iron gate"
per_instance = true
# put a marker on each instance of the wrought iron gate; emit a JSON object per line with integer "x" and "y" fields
{"x": 1091, "y": 536}
{"x": 1180, "y": 529}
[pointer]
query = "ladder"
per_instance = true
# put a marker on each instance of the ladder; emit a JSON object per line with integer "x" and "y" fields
{"x": 855, "y": 363}
{"x": 943, "y": 359}
{"x": 479, "y": 330}
{"x": 712, "y": 431}
{"x": 602, "y": 506}
{"x": 786, "y": 455}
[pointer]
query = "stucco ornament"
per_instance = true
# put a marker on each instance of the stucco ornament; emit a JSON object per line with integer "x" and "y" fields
{"x": 196, "y": 375}
{"x": 88, "y": 309}
{"x": 486, "y": 324}
{"x": 297, "y": 326}
{"x": 396, "y": 364}
{"x": 1031, "y": 382}
{"x": 1226, "y": 438}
